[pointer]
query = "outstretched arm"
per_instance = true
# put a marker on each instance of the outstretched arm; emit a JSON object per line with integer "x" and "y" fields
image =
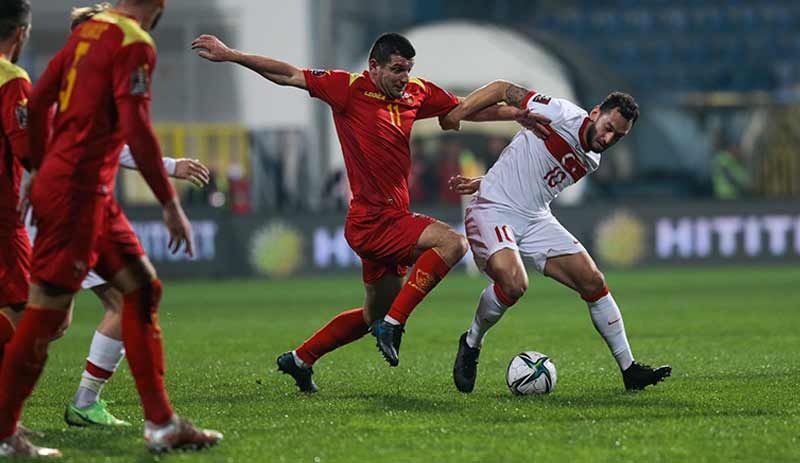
{"x": 212, "y": 49}
{"x": 485, "y": 104}
{"x": 481, "y": 105}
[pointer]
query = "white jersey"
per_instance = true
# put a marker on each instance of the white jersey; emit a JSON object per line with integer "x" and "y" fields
{"x": 531, "y": 172}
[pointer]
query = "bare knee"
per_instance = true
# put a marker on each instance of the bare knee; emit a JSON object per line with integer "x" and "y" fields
{"x": 138, "y": 274}
{"x": 591, "y": 284}
{"x": 110, "y": 297}
{"x": 454, "y": 247}
{"x": 514, "y": 285}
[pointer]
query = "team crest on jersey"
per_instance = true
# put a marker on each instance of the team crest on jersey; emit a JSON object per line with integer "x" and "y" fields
{"x": 541, "y": 99}
{"x": 319, "y": 72}
{"x": 22, "y": 113}
{"x": 140, "y": 80}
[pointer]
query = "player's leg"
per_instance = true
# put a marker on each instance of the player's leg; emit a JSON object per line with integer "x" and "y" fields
{"x": 9, "y": 319}
{"x": 24, "y": 361}
{"x": 381, "y": 287}
{"x": 141, "y": 290}
{"x": 122, "y": 262}
{"x": 45, "y": 315}
{"x": 493, "y": 241}
{"x": 438, "y": 248}
{"x": 15, "y": 263}
{"x": 105, "y": 354}
{"x": 579, "y": 272}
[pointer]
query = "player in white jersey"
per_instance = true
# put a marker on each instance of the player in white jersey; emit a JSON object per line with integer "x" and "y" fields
{"x": 509, "y": 221}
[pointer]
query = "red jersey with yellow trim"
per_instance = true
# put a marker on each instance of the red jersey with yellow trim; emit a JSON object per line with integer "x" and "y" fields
{"x": 375, "y": 131}
{"x": 105, "y": 59}
{"x": 15, "y": 87}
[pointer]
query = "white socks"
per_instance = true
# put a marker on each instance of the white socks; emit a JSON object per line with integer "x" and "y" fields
{"x": 391, "y": 321}
{"x": 608, "y": 321}
{"x": 105, "y": 354}
{"x": 489, "y": 311}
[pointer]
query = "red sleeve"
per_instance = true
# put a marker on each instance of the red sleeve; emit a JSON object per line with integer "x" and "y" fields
{"x": 14, "y": 118}
{"x": 132, "y": 71}
{"x": 437, "y": 102}
{"x": 43, "y": 97}
{"x": 332, "y": 87}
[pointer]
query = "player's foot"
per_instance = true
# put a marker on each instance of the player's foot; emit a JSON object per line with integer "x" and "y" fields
{"x": 302, "y": 376}
{"x": 18, "y": 446}
{"x": 96, "y": 414}
{"x": 178, "y": 434}
{"x": 639, "y": 376}
{"x": 388, "y": 338}
{"x": 465, "y": 370}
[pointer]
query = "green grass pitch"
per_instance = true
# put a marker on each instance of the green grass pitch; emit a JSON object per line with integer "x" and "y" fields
{"x": 731, "y": 336}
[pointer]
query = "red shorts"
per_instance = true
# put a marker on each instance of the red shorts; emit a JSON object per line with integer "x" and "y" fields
{"x": 79, "y": 231}
{"x": 15, "y": 266}
{"x": 384, "y": 239}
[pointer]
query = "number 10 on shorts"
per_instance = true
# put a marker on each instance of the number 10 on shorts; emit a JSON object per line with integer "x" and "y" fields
{"x": 502, "y": 232}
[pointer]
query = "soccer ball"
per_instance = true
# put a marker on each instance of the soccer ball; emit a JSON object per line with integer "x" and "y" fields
{"x": 531, "y": 373}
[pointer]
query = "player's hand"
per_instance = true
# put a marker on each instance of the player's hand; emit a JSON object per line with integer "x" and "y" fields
{"x": 449, "y": 123}
{"x": 465, "y": 185}
{"x": 212, "y": 48}
{"x": 193, "y": 171}
{"x": 180, "y": 231}
{"x": 25, "y": 197}
{"x": 534, "y": 122}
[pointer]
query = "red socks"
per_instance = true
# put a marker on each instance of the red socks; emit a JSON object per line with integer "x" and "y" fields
{"x": 142, "y": 339}
{"x": 6, "y": 332}
{"x": 426, "y": 274}
{"x": 23, "y": 362}
{"x": 343, "y": 329}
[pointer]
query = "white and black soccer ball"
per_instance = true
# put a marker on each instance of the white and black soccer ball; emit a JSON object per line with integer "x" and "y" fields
{"x": 531, "y": 373}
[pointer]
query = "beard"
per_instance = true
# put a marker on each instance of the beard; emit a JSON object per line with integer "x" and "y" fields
{"x": 591, "y": 132}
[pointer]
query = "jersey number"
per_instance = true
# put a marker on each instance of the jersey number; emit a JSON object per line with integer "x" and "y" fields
{"x": 554, "y": 177}
{"x": 394, "y": 114}
{"x": 504, "y": 230}
{"x": 66, "y": 94}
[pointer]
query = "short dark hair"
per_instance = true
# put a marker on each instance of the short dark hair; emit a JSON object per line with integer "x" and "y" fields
{"x": 627, "y": 106}
{"x": 391, "y": 43}
{"x": 13, "y": 13}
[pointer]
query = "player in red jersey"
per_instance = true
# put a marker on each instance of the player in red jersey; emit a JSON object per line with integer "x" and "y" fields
{"x": 373, "y": 112}
{"x": 80, "y": 226}
{"x": 15, "y": 88}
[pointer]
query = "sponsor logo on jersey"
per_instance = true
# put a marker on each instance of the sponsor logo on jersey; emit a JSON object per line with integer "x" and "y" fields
{"x": 140, "y": 81}
{"x": 541, "y": 99}
{"x": 377, "y": 96}
{"x": 319, "y": 72}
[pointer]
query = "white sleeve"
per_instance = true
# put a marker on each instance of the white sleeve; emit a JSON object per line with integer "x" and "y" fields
{"x": 551, "y": 108}
{"x": 126, "y": 160}
{"x": 170, "y": 164}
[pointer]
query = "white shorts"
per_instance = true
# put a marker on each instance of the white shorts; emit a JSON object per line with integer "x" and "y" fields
{"x": 491, "y": 227}
{"x": 92, "y": 279}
